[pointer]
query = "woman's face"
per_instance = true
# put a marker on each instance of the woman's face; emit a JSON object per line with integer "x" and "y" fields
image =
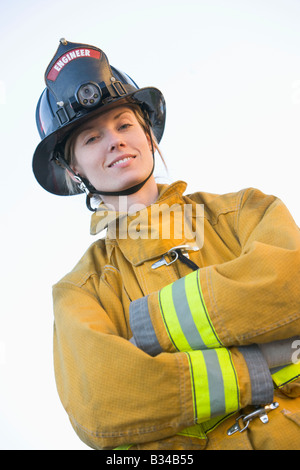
{"x": 112, "y": 151}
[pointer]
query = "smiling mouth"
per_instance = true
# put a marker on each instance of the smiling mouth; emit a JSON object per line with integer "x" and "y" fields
{"x": 121, "y": 161}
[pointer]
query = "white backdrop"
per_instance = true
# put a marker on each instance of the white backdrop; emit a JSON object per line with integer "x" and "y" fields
{"x": 230, "y": 73}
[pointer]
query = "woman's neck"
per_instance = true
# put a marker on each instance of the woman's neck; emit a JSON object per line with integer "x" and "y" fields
{"x": 146, "y": 196}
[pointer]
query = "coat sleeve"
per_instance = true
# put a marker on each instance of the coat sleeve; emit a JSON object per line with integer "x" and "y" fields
{"x": 253, "y": 298}
{"x": 115, "y": 393}
{"x": 106, "y": 384}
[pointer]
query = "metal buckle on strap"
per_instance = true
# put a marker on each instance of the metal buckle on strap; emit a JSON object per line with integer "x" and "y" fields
{"x": 173, "y": 253}
{"x": 260, "y": 413}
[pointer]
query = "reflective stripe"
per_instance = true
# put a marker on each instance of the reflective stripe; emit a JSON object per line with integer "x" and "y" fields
{"x": 212, "y": 424}
{"x": 193, "y": 431}
{"x": 214, "y": 383}
{"x": 170, "y": 319}
{"x": 126, "y": 447}
{"x": 287, "y": 374}
{"x": 185, "y": 315}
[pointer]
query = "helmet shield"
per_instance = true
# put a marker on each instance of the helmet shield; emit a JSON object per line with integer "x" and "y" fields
{"x": 80, "y": 83}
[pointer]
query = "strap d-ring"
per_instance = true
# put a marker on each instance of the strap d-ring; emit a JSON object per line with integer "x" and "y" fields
{"x": 172, "y": 253}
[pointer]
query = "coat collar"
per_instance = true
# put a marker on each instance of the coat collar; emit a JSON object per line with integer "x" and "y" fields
{"x": 139, "y": 236}
{"x": 105, "y": 216}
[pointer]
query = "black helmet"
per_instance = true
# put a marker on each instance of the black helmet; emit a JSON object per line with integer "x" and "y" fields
{"x": 80, "y": 82}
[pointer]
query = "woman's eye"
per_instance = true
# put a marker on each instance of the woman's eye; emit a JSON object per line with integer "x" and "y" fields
{"x": 91, "y": 140}
{"x": 125, "y": 126}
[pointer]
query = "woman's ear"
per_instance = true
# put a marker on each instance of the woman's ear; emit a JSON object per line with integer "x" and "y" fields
{"x": 72, "y": 174}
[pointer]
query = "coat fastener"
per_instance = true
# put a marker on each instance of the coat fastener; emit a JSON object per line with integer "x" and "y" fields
{"x": 260, "y": 413}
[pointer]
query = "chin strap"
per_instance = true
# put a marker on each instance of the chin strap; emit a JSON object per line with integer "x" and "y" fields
{"x": 91, "y": 191}
{"x": 86, "y": 187}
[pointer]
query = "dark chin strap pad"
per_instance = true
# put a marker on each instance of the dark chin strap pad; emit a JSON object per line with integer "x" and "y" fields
{"x": 125, "y": 192}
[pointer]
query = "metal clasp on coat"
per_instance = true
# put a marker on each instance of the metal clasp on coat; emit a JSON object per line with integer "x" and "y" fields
{"x": 260, "y": 413}
{"x": 163, "y": 261}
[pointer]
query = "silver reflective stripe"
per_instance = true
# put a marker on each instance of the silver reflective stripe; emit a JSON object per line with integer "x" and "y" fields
{"x": 262, "y": 389}
{"x": 185, "y": 316}
{"x": 216, "y": 383}
{"x": 142, "y": 328}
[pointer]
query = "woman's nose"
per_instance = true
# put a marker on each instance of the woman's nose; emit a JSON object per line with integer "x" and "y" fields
{"x": 115, "y": 142}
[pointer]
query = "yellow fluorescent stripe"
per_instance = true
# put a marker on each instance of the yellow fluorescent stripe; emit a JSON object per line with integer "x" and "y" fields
{"x": 200, "y": 386}
{"x": 193, "y": 431}
{"x": 171, "y": 320}
{"x": 286, "y": 374}
{"x": 186, "y": 318}
{"x": 199, "y": 312}
{"x": 230, "y": 383}
{"x": 214, "y": 383}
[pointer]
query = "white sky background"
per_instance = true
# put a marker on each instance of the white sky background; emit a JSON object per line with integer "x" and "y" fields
{"x": 230, "y": 73}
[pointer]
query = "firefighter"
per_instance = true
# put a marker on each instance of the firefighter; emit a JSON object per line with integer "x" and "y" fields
{"x": 180, "y": 328}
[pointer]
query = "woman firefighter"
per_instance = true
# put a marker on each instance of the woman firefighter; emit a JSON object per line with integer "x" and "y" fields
{"x": 185, "y": 338}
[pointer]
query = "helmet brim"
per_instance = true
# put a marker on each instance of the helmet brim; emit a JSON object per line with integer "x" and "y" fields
{"x": 51, "y": 176}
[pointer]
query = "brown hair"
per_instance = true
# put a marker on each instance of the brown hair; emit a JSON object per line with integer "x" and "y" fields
{"x": 69, "y": 153}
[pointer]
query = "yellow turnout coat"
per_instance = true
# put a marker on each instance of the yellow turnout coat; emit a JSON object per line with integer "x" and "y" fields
{"x": 153, "y": 354}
